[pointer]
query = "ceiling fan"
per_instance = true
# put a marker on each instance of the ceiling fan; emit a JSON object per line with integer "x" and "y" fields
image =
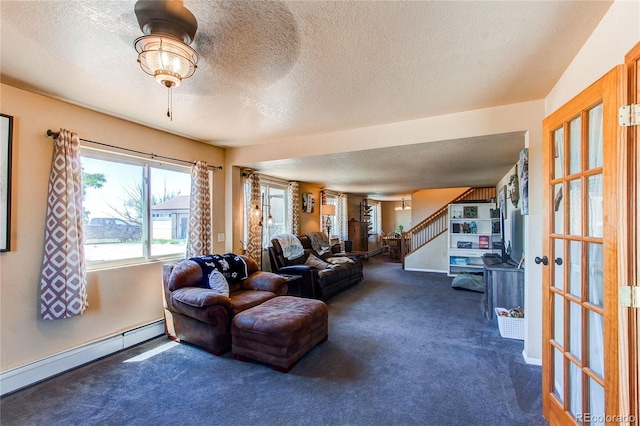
{"x": 164, "y": 50}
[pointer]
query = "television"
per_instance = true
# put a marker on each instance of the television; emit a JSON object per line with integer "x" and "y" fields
{"x": 512, "y": 237}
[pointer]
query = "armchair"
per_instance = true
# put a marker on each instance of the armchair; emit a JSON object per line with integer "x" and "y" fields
{"x": 196, "y": 314}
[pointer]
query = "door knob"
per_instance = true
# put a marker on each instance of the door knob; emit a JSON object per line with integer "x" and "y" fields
{"x": 544, "y": 260}
{"x": 558, "y": 261}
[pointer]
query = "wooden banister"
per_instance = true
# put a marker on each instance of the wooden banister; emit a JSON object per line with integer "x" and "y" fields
{"x": 436, "y": 224}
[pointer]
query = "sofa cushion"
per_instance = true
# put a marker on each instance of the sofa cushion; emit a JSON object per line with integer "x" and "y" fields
{"x": 218, "y": 283}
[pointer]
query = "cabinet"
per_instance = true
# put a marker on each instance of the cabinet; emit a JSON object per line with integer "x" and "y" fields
{"x": 474, "y": 230}
{"x": 503, "y": 285}
{"x": 359, "y": 234}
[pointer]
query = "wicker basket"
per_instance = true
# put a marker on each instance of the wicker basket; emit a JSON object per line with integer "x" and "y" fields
{"x": 510, "y": 328}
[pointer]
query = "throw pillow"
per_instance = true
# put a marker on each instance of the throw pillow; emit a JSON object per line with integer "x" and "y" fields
{"x": 218, "y": 283}
{"x": 316, "y": 262}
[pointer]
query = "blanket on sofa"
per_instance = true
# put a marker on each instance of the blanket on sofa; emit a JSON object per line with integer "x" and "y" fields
{"x": 291, "y": 245}
{"x": 232, "y": 267}
{"x": 319, "y": 242}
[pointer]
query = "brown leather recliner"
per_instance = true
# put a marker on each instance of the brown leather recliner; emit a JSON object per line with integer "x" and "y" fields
{"x": 322, "y": 284}
{"x": 202, "y": 316}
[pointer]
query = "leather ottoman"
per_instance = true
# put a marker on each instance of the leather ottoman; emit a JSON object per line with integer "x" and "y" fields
{"x": 279, "y": 331}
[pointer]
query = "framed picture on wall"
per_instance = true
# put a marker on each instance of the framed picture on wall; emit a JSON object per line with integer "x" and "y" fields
{"x": 502, "y": 201}
{"x": 6, "y": 134}
{"x": 308, "y": 203}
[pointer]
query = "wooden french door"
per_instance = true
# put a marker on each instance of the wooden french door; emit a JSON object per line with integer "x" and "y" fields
{"x": 629, "y": 247}
{"x": 579, "y": 259}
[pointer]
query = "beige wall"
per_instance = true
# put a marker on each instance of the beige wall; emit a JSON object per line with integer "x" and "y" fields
{"x": 119, "y": 298}
{"x": 433, "y": 256}
{"x": 310, "y": 222}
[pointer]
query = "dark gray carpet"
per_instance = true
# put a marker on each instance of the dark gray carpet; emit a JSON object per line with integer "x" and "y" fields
{"x": 404, "y": 348}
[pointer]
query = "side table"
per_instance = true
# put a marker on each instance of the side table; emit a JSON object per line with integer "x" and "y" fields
{"x": 294, "y": 284}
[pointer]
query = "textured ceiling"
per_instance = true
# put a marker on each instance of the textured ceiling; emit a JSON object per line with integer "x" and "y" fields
{"x": 279, "y": 69}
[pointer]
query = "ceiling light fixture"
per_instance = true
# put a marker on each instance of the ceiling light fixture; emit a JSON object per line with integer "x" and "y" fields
{"x": 164, "y": 51}
{"x": 403, "y": 206}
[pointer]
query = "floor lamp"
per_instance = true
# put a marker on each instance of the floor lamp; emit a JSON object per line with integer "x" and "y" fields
{"x": 328, "y": 210}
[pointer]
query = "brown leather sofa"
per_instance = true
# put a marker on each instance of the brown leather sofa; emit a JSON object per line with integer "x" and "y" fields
{"x": 322, "y": 284}
{"x": 202, "y": 316}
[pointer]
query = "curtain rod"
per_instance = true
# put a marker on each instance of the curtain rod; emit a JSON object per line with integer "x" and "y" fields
{"x": 152, "y": 155}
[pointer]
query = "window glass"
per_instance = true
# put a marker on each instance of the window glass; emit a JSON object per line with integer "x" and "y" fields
{"x": 170, "y": 198}
{"x": 274, "y": 211}
{"x": 118, "y": 225}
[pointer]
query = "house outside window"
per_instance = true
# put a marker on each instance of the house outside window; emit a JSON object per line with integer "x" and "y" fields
{"x": 134, "y": 209}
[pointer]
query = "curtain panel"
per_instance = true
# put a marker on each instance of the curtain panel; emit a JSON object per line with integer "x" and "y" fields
{"x": 254, "y": 236}
{"x": 200, "y": 232}
{"x": 294, "y": 207}
{"x": 342, "y": 217}
{"x": 63, "y": 279}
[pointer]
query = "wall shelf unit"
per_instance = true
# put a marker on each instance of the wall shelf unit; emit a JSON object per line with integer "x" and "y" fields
{"x": 474, "y": 230}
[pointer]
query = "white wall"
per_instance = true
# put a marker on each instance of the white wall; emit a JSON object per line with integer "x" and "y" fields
{"x": 615, "y": 35}
{"x": 433, "y": 256}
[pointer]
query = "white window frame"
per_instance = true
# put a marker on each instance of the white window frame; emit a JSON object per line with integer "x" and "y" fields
{"x": 146, "y": 165}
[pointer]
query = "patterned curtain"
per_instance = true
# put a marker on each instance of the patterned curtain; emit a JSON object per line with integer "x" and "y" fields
{"x": 63, "y": 280}
{"x": 294, "y": 207}
{"x": 200, "y": 239}
{"x": 342, "y": 218}
{"x": 254, "y": 245}
{"x": 378, "y": 218}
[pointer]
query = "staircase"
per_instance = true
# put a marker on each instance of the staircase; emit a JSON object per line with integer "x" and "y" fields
{"x": 436, "y": 224}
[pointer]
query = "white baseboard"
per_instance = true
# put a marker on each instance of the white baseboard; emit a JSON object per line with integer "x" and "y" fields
{"x": 531, "y": 361}
{"x": 426, "y": 270}
{"x": 37, "y": 371}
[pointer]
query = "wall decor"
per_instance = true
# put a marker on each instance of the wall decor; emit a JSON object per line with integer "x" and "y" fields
{"x": 6, "y": 135}
{"x": 502, "y": 201}
{"x": 470, "y": 212}
{"x": 524, "y": 180}
{"x": 308, "y": 203}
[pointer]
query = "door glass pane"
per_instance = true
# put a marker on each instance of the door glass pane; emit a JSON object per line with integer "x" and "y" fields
{"x": 575, "y": 330}
{"x": 558, "y": 206}
{"x": 575, "y": 141}
{"x": 558, "y": 166}
{"x": 558, "y": 319}
{"x": 595, "y": 206}
{"x": 558, "y": 374}
{"x": 558, "y": 270}
{"x": 575, "y": 390}
{"x": 595, "y": 137}
{"x": 575, "y": 216}
{"x": 596, "y": 403}
{"x": 595, "y": 274}
{"x": 575, "y": 268}
{"x": 596, "y": 343}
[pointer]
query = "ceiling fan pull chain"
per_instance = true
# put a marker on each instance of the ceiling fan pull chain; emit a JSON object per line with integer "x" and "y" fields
{"x": 169, "y": 105}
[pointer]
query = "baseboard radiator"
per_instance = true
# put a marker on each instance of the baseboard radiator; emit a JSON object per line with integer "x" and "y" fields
{"x": 37, "y": 371}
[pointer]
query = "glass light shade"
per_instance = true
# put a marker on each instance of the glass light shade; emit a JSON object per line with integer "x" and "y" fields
{"x": 167, "y": 59}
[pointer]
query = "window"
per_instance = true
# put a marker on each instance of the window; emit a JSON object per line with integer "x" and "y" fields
{"x": 133, "y": 208}
{"x": 274, "y": 211}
